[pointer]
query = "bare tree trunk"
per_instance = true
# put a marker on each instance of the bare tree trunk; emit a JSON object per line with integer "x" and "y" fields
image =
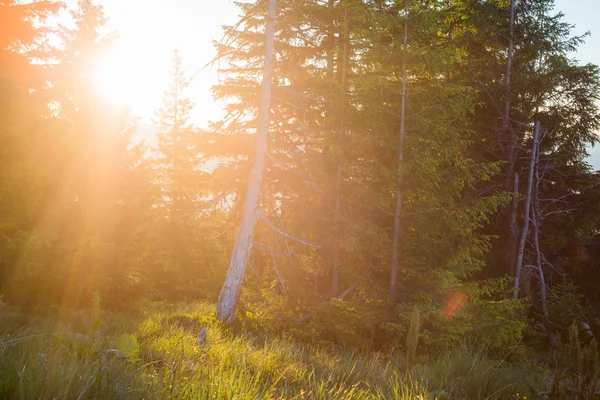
{"x": 513, "y": 225}
{"x": 335, "y": 269}
{"x": 331, "y": 45}
{"x": 543, "y": 297}
{"x": 243, "y": 245}
{"x": 335, "y": 265}
{"x": 526, "y": 216}
{"x": 512, "y": 209}
{"x": 506, "y": 119}
{"x": 537, "y": 225}
{"x": 398, "y": 212}
{"x": 537, "y": 222}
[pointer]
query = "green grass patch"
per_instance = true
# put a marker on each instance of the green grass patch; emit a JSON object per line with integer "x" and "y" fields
{"x": 155, "y": 355}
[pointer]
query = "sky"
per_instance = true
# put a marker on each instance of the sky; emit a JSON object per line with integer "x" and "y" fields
{"x": 584, "y": 15}
{"x": 135, "y": 72}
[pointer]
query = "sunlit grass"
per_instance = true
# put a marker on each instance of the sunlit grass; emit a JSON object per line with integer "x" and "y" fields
{"x": 48, "y": 358}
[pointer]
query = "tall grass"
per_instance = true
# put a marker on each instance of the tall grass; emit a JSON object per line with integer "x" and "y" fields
{"x": 157, "y": 357}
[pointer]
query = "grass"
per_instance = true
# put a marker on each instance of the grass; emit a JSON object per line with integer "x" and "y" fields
{"x": 157, "y": 357}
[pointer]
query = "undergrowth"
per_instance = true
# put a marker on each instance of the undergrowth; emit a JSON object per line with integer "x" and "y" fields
{"x": 156, "y": 355}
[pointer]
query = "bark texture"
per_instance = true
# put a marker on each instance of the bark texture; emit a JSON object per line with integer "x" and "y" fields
{"x": 335, "y": 266}
{"x": 398, "y": 212}
{"x": 232, "y": 288}
{"x": 513, "y": 225}
{"x": 537, "y": 225}
{"x": 526, "y": 213}
{"x": 512, "y": 150}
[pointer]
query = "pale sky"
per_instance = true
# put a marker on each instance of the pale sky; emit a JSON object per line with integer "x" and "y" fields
{"x": 135, "y": 72}
{"x": 584, "y": 15}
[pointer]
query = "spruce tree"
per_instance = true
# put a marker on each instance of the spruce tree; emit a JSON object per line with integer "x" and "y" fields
{"x": 23, "y": 104}
{"x": 26, "y": 132}
{"x": 94, "y": 185}
{"x": 178, "y": 155}
{"x": 179, "y": 220}
{"x": 333, "y": 147}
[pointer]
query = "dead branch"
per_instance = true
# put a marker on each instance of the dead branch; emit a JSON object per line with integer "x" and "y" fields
{"x": 306, "y": 180}
{"x": 285, "y": 234}
{"x": 278, "y": 255}
{"x": 525, "y": 230}
{"x": 558, "y": 212}
{"x": 285, "y": 292}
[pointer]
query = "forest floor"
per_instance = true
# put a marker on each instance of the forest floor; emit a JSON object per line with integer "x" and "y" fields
{"x": 154, "y": 354}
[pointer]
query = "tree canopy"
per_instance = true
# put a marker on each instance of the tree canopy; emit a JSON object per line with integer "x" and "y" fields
{"x": 400, "y": 169}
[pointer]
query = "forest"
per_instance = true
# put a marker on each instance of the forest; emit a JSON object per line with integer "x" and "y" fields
{"x": 398, "y": 203}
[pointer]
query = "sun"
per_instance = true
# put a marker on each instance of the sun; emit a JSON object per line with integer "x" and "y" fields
{"x": 135, "y": 77}
{"x": 131, "y": 78}
{"x": 111, "y": 82}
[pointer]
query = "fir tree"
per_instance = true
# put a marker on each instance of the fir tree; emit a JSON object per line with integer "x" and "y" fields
{"x": 180, "y": 222}
{"x": 179, "y": 158}
{"x": 25, "y": 161}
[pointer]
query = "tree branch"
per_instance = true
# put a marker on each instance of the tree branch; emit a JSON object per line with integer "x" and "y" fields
{"x": 285, "y": 234}
{"x": 306, "y": 180}
{"x": 277, "y": 271}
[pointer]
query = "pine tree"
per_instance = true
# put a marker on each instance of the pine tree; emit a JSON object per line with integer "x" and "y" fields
{"x": 545, "y": 84}
{"x": 179, "y": 158}
{"x": 84, "y": 45}
{"x": 26, "y": 174}
{"x": 179, "y": 224}
{"x": 91, "y": 177}
{"x": 232, "y": 287}
{"x": 398, "y": 210}
{"x": 23, "y": 103}
{"x": 332, "y": 168}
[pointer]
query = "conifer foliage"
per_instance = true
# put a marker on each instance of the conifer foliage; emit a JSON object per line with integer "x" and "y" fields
{"x": 375, "y": 157}
{"x": 179, "y": 159}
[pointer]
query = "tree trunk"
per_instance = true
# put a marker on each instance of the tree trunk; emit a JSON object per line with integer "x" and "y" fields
{"x": 398, "y": 212}
{"x": 243, "y": 245}
{"x": 513, "y": 225}
{"x": 526, "y": 215}
{"x": 506, "y": 119}
{"x": 537, "y": 222}
{"x": 543, "y": 296}
{"x": 331, "y": 47}
{"x": 511, "y": 209}
{"x": 335, "y": 267}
